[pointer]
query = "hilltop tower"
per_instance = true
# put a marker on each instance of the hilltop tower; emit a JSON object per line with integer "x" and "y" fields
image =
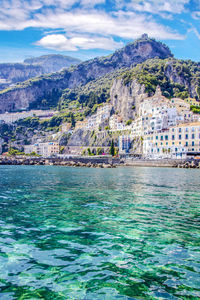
{"x": 144, "y": 36}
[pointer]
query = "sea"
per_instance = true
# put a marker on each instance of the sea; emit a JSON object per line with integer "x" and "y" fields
{"x": 98, "y": 234}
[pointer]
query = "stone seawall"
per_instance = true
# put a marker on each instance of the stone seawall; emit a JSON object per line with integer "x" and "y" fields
{"x": 172, "y": 163}
{"x": 101, "y": 162}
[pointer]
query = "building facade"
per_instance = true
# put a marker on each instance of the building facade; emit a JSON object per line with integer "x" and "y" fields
{"x": 43, "y": 149}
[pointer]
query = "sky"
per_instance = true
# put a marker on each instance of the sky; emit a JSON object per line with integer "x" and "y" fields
{"x": 91, "y": 28}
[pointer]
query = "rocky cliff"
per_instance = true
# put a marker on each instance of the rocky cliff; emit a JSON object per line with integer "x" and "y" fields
{"x": 32, "y": 91}
{"x": 125, "y": 98}
{"x": 18, "y": 72}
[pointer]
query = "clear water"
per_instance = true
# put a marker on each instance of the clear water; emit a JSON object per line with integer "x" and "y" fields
{"x": 78, "y": 233}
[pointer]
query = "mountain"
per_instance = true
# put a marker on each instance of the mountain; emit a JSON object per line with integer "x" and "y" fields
{"x": 47, "y": 89}
{"x": 11, "y": 73}
{"x": 52, "y": 63}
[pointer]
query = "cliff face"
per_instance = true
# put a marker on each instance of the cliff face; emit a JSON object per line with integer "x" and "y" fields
{"x": 19, "y": 72}
{"x": 126, "y": 98}
{"x": 21, "y": 96}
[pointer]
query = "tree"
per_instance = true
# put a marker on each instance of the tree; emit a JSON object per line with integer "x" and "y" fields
{"x": 72, "y": 120}
{"x": 112, "y": 148}
{"x": 89, "y": 151}
{"x": 128, "y": 122}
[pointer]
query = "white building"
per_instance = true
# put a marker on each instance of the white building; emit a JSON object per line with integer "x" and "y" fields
{"x": 116, "y": 123}
{"x": 43, "y": 149}
{"x": 124, "y": 144}
{"x": 13, "y": 117}
{"x": 103, "y": 113}
{"x": 92, "y": 122}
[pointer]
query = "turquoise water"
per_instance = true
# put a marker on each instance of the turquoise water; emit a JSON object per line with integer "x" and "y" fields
{"x": 78, "y": 233}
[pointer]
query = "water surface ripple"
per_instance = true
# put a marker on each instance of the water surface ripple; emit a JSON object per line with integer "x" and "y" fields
{"x": 79, "y": 233}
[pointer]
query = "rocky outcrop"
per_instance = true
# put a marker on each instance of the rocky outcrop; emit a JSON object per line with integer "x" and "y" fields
{"x": 22, "y": 96}
{"x": 126, "y": 98}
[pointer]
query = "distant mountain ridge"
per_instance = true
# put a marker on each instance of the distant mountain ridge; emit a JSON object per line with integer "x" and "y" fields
{"x": 12, "y": 73}
{"x": 53, "y": 62}
{"x": 23, "y": 96}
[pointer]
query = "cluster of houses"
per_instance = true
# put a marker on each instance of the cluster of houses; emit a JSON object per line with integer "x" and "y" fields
{"x": 165, "y": 128}
{"x": 168, "y": 129}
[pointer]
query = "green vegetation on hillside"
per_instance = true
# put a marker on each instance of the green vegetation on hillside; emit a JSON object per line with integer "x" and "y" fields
{"x": 89, "y": 96}
{"x": 175, "y": 77}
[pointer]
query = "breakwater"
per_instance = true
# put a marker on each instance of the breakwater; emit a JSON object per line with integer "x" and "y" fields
{"x": 95, "y": 162}
{"x": 99, "y": 162}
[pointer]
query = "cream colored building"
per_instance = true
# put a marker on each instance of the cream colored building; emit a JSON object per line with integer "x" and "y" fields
{"x": 193, "y": 101}
{"x": 176, "y": 142}
{"x": 81, "y": 124}
{"x": 43, "y": 149}
{"x": 180, "y": 105}
{"x": 116, "y": 123}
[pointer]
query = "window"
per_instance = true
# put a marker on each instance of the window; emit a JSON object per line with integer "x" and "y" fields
{"x": 179, "y": 136}
{"x": 156, "y": 137}
{"x": 192, "y": 129}
{"x": 176, "y": 149}
{"x": 179, "y": 130}
{"x": 192, "y": 143}
{"x": 186, "y": 129}
{"x": 172, "y": 129}
{"x": 186, "y": 144}
{"x": 173, "y": 137}
{"x": 193, "y": 136}
{"x": 161, "y": 138}
{"x": 166, "y": 138}
{"x": 186, "y": 136}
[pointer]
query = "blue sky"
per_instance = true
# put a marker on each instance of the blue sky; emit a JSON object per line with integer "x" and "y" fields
{"x": 90, "y": 28}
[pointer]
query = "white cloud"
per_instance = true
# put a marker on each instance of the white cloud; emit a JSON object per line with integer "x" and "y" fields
{"x": 157, "y": 6}
{"x": 87, "y": 27}
{"x": 196, "y": 15}
{"x": 59, "y": 42}
{"x": 125, "y": 24}
{"x": 122, "y": 24}
{"x": 195, "y": 31}
{"x": 56, "y": 41}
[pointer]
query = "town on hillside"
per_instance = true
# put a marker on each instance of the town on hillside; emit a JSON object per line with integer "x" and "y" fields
{"x": 162, "y": 128}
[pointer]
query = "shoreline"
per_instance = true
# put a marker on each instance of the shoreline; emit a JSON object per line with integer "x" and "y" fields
{"x": 99, "y": 162}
